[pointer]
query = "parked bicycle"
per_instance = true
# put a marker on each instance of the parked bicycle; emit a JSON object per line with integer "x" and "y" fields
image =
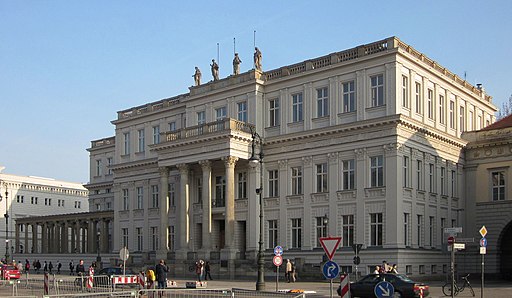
{"x": 447, "y": 288}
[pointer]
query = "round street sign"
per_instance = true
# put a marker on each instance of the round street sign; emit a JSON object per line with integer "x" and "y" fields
{"x": 357, "y": 260}
{"x": 384, "y": 289}
{"x": 330, "y": 270}
{"x": 278, "y": 250}
{"x": 278, "y": 260}
{"x": 124, "y": 254}
{"x": 483, "y": 242}
{"x": 451, "y": 240}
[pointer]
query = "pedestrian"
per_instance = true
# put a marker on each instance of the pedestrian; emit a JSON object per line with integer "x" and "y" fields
{"x": 50, "y": 266}
{"x": 80, "y": 269}
{"x": 20, "y": 267}
{"x": 288, "y": 271}
{"x": 161, "y": 274}
{"x": 150, "y": 278}
{"x": 394, "y": 269}
{"x": 71, "y": 268}
{"x": 38, "y": 266}
{"x": 27, "y": 266}
{"x": 59, "y": 265}
{"x": 207, "y": 271}
{"x": 199, "y": 270}
{"x": 35, "y": 266}
{"x": 45, "y": 267}
{"x": 384, "y": 268}
{"x": 294, "y": 272}
{"x": 377, "y": 270}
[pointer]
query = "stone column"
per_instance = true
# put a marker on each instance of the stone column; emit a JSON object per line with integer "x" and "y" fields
{"x": 65, "y": 238}
{"x": 26, "y": 249}
{"x": 91, "y": 236}
{"x": 72, "y": 238}
{"x": 85, "y": 234}
{"x": 17, "y": 238}
{"x": 164, "y": 213}
{"x": 35, "y": 246}
{"x": 104, "y": 236}
{"x": 230, "y": 162}
{"x": 44, "y": 238}
{"x": 206, "y": 166}
{"x": 183, "y": 205}
{"x": 58, "y": 240}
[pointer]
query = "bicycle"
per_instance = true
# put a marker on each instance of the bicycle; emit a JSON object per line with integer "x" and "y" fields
{"x": 447, "y": 288}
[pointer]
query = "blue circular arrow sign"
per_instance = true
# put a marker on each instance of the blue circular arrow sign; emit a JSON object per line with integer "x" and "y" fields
{"x": 384, "y": 289}
{"x": 330, "y": 270}
{"x": 483, "y": 242}
{"x": 278, "y": 251}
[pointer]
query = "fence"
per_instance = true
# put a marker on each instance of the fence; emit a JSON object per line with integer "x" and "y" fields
{"x": 188, "y": 293}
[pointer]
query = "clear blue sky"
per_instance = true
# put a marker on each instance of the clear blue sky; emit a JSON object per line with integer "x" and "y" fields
{"x": 67, "y": 67}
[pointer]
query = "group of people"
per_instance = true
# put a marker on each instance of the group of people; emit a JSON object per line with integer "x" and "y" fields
{"x": 158, "y": 274}
{"x": 36, "y": 266}
{"x": 386, "y": 268}
{"x": 79, "y": 269}
{"x": 290, "y": 273}
{"x": 202, "y": 268}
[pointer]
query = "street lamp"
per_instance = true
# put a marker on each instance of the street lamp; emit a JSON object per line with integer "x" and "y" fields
{"x": 254, "y": 161}
{"x": 98, "y": 257}
{"x": 7, "y": 256}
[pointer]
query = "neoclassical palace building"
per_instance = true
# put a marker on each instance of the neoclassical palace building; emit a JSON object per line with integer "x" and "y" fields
{"x": 364, "y": 144}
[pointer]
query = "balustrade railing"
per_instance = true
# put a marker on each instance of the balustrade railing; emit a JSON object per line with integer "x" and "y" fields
{"x": 208, "y": 128}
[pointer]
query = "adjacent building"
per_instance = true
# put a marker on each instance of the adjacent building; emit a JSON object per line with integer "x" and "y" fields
{"x": 364, "y": 143}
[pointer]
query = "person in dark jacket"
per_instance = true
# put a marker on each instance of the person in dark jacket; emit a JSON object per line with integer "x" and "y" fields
{"x": 161, "y": 274}
{"x": 80, "y": 269}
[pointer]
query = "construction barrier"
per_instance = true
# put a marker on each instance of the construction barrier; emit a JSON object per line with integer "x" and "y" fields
{"x": 344, "y": 289}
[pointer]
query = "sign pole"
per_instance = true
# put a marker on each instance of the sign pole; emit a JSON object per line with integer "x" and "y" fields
{"x": 452, "y": 265}
{"x": 331, "y": 287}
{"x": 482, "y": 287}
{"x": 277, "y": 279}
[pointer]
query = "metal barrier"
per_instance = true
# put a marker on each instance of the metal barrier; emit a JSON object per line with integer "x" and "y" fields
{"x": 126, "y": 294}
{"x": 221, "y": 293}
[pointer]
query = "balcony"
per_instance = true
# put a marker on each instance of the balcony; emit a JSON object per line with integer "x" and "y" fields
{"x": 212, "y": 128}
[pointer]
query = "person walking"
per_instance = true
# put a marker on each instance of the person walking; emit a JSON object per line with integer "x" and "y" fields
{"x": 199, "y": 270}
{"x": 207, "y": 271}
{"x": 59, "y": 265}
{"x": 50, "y": 267}
{"x": 27, "y": 266}
{"x": 45, "y": 267}
{"x": 294, "y": 272}
{"x": 288, "y": 271}
{"x": 161, "y": 274}
{"x": 80, "y": 269}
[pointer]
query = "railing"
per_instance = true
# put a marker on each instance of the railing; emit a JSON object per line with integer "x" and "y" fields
{"x": 208, "y": 128}
{"x": 103, "y": 142}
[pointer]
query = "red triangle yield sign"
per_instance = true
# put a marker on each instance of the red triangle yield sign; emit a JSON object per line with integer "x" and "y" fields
{"x": 330, "y": 244}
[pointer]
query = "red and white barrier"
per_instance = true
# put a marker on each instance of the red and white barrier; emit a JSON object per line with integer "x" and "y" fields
{"x": 142, "y": 280}
{"x": 90, "y": 279}
{"x": 122, "y": 280}
{"x": 196, "y": 284}
{"x": 345, "y": 286}
{"x": 46, "y": 280}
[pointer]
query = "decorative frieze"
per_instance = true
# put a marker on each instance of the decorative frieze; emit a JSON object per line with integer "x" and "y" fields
{"x": 283, "y": 164}
{"x": 319, "y": 197}
{"x": 295, "y": 200}
{"x": 379, "y": 192}
{"x": 346, "y": 195}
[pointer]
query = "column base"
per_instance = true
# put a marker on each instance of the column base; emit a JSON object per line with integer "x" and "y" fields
{"x": 229, "y": 255}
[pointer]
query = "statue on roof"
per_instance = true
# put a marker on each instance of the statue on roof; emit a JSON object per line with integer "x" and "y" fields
{"x": 236, "y": 64}
{"x": 257, "y": 59}
{"x": 215, "y": 70}
{"x": 197, "y": 77}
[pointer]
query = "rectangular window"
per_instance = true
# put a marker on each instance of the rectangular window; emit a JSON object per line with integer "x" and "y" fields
{"x": 419, "y": 99}
{"x": 220, "y": 113}
{"x": 419, "y": 175}
{"x": 242, "y": 111}
{"x": 407, "y": 222}
{"x": 377, "y": 90}
{"x": 433, "y": 269}
{"x": 443, "y": 225}
{"x": 377, "y": 171}
{"x": 140, "y": 239}
{"x": 349, "y": 97}
{"x": 141, "y": 135}
{"x": 296, "y": 233}
{"x": 140, "y": 198}
{"x": 470, "y": 121}
{"x": 171, "y": 238}
{"x": 110, "y": 162}
{"x": 376, "y": 229}
{"x": 242, "y": 185}
{"x": 431, "y": 180}
{"x": 273, "y": 183}
{"x": 348, "y": 174}
{"x": 430, "y": 104}
{"x": 98, "y": 167}
{"x": 441, "y": 109}
{"x": 126, "y": 137}
{"x": 452, "y": 114}
{"x": 296, "y": 180}
{"x": 124, "y": 236}
{"x": 462, "y": 120}
{"x": 297, "y": 111}
{"x": 431, "y": 227}
{"x": 443, "y": 181}
{"x": 155, "y": 196}
{"x": 421, "y": 269}
{"x": 272, "y": 233}
{"x": 321, "y": 178}
{"x": 172, "y": 126}
{"x": 406, "y": 173}
{"x": 321, "y": 229}
{"x": 405, "y": 92}
{"x": 274, "y": 112}
{"x": 156, "y": 134}
{"x": 220, "y": 192}
{"x": 201, "y": 118}
{"x": 200, "y": 191}
{"x": 420, "y": 230}
{"x": 347, "y": 226}
{"x": 454, "y": 183}
{"x": 154, "y": 238}
{"x": 322, "y": 102}
{"x": 126, "y": 199}
{"x": 498, "y": 185}
{"x": 171, "y": 194}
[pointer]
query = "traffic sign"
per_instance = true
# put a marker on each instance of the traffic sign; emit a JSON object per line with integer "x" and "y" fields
{"x": 278, "y": 260}
{"x": 356, "y": 248}
{"x": 278, "y": 250}
{"x": 330, "y": 244}
{"x": 483, "y": 242}
{"x": 483, "y": 231}
{"x": 330, "y": 270}
{"x": 357, "y": 260}
{"x": 459, "y": 245}
{"x": 453, "y": 230}
{"x": 483, "y": 250}
{"x": 124, "y": 254}
{"x": 384, "y": 289}
{"x": 451, "y": 240}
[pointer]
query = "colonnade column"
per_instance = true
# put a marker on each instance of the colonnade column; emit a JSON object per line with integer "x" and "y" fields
{"x": 72, "y": 238}
{"x": 35, "y": 246}
{"x": 91, "y": 237}
{"x": 164, "y": 213}
{"x": 17, "y": 238}
{"x": 44, "y": 238}
{"x": 25, "y": 245}
{"x": 65, "y": 237}
{"x": 230, "y": 162}
{"x": 183, "y": 206}
{"x": 104, "y": 236}
{"x": 206, "y": 166}
{"x": 58, "y": 242}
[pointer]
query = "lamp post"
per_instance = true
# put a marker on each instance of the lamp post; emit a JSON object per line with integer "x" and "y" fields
{"x": 98, "y": 257}
{"x": 254, "y": 161}
{"x": 6, "y": 215}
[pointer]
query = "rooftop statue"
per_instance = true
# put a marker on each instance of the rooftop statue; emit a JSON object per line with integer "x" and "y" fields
{"x": 215, "y": 70}
{"x": 257, "y": 59}
{"x": 197, "y": 77}
{"x": 236, "y": 64}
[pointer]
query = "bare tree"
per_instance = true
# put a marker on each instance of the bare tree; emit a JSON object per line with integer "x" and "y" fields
{"x": 506, "y": 109}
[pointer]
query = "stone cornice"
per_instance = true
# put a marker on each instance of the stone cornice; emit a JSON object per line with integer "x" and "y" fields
{"x": 81, "y": 216}
{"x": 135, "y": 164}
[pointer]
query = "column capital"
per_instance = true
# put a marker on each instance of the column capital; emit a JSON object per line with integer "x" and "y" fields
{"x": 205, "y": 164}
{"x": 183, "y": 168}
{"x": 164, "y": 171}
{"x": 230, "y": 161}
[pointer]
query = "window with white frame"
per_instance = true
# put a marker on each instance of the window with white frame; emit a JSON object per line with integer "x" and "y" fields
{"x": 98, "y": 167}
{"x": 126, "y": 199}
{"x": 443, "y": 181}
{"x": 419, "y": 175}
{"x": 321, "y": 178}
{"x": 126, "y": 148}
{"x": 110, "y": 162}
{"x": 321, "y": 229}
{"x": 296, "y": 180}
{"x": 348, "y": 174}
{"x": 273, "y": 112}
{"x": 220, "y": 191}
{"x": 419, "y": 230}
{"x": 462, "y": 120}
{"x": 140, "y": 198}
{"x": 470, "y": 120}
{"x": 406, "y": 172}
{"x": 156, "y": 134}
{"x": 272, "y": 233}
{"x": 347, "y": 226}
{"x": 172, "y": 126}
{"x": 349, "y": 97}
{"x": 171, "y": 194}
{"x": 220, "y": 113}
{"x": 242, "y": 185}
{"x": 273, "y": 183}
{"x": 199, "y": 191}
{"x": 141, "y": 138}
{"x": 201, "y": 117}
{"x": 431, "y": 227}
{"x": 452, "y": 114}
{"x": 242, "y": 111}
{"x": 454, "y": 183}
{"x": 377, "y": 171}
{"x": 430, "y": 103}
{"x": 377, "y": 90}
{"x": 419, "y": 98}
{"x": 297, "y": 107}
{"x": 154, "y": 238}
{"x": 296, "y": 233}
{"x": 405, "y": 91}
{"x": 441, "y": 109}
{"x": 322, "y": 102}
{"x": 498, "y": 185}
{"x": 140, "y": 239}
{"x": 376, "y": 229}
{"x": 124, "y": 237}
{"x": 407, "y": 223}
{"x": 431, "y": 180}
{"x": 154, "y": 196}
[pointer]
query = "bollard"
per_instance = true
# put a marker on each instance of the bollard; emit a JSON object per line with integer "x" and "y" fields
{"x": 90, "y": 280}
{"x": 344, "y": 286}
